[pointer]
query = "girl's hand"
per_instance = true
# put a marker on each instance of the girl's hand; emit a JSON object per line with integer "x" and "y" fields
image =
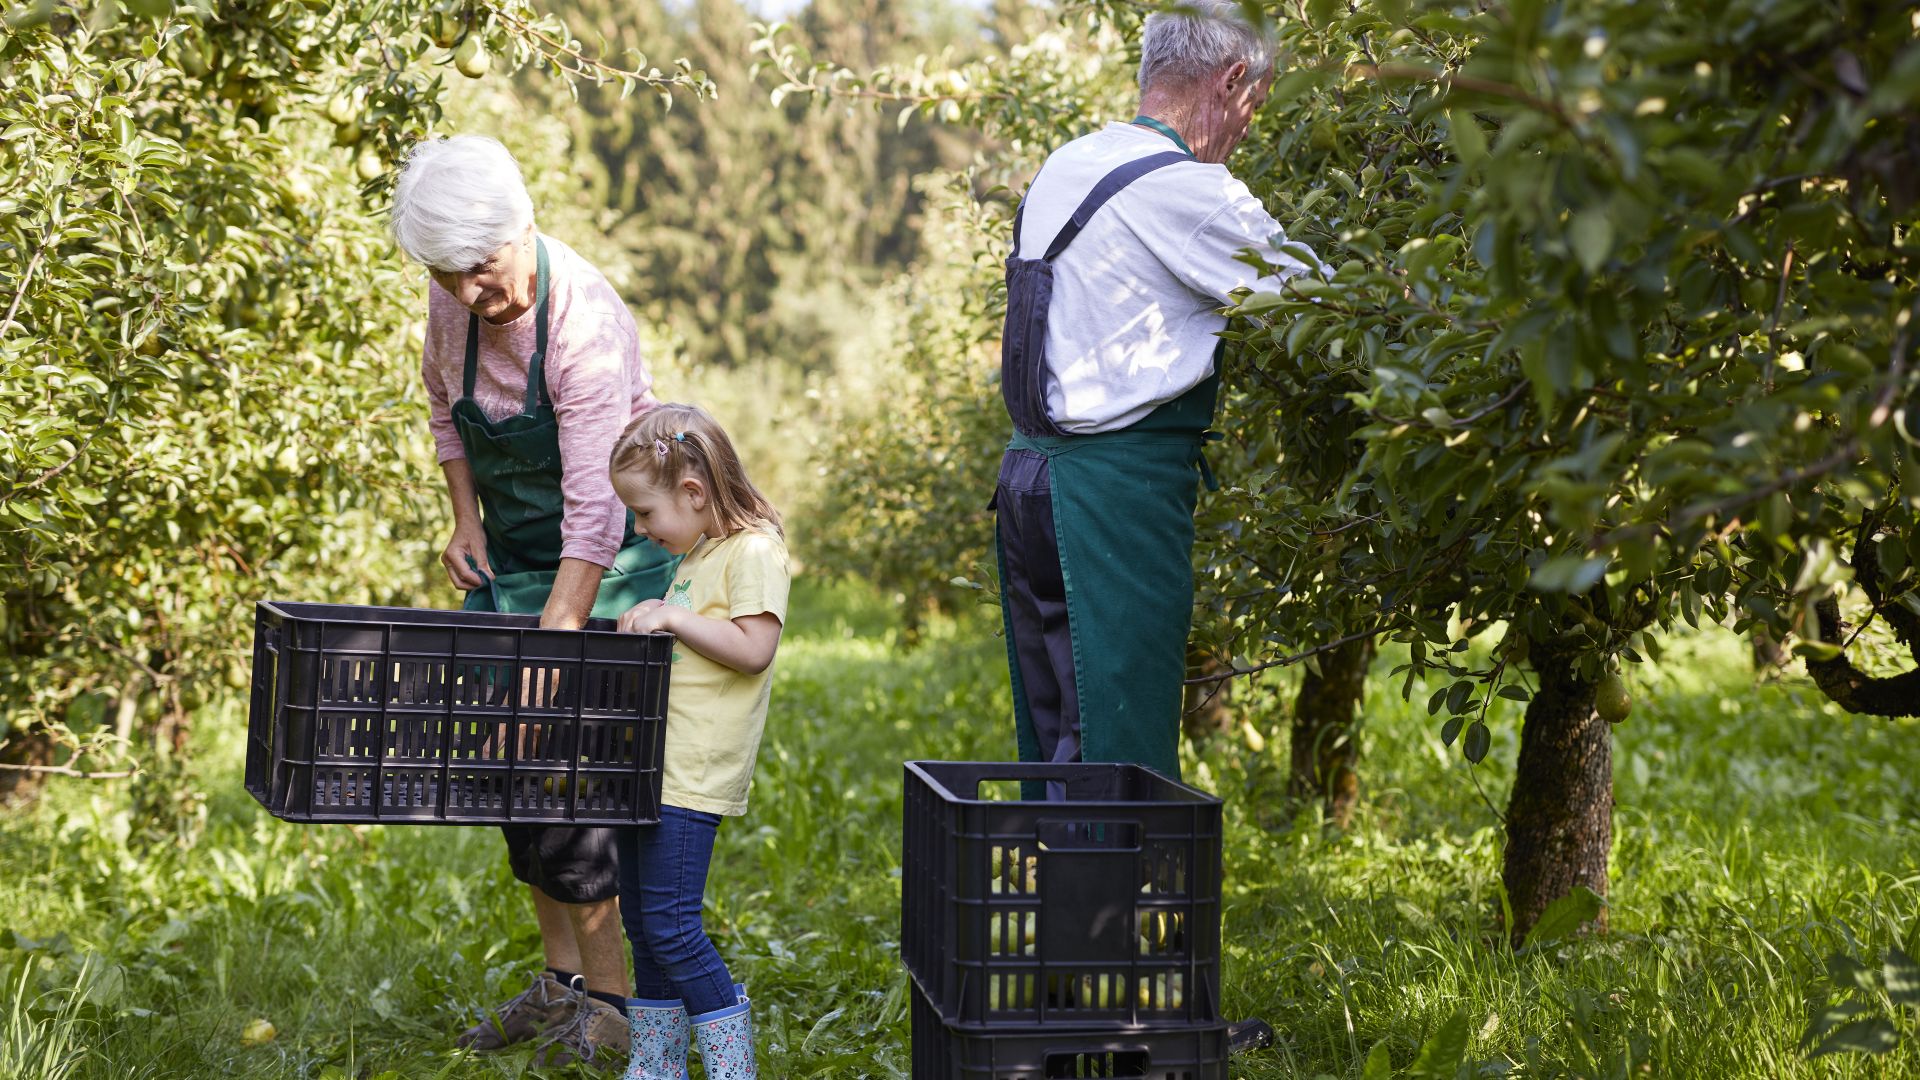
{"x": 647, "y": 616}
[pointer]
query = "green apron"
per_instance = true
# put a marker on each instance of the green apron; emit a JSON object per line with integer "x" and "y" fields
{"x": 516, "y": 470}
{"x": 1123, "y": 504}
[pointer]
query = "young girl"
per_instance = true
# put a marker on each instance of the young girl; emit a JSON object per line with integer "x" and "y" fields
{"x": 677, "y": 471}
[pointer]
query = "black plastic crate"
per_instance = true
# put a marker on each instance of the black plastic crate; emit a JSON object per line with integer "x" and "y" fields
{"x": 422, "y": 716}
{"x": 948, "y": 1052}
{"x": 1098, "y": 911}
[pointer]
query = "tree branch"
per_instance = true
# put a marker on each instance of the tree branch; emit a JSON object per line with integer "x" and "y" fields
{"x": 1286, "y": 661}
{"x": 1866, "y": 573}
{"x": 66, "y": 770}
{"x": 1852, "y": 689}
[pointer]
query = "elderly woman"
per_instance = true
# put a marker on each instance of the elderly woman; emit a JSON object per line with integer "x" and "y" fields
{"x": 1125, "y": 248}
{"x": 533, "y": 368}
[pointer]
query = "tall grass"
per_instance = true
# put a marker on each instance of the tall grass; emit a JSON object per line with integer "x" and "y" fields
{"x": 1757, "y": 832}
{"x": 41, "y": 1035}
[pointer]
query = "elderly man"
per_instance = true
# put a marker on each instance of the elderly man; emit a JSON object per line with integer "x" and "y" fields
{"x": 1125, "y": 247}
{"x": 532, "y": 366}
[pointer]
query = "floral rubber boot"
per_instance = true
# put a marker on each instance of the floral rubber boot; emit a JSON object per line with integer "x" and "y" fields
{"x": 726, "y": 1042}
{"x": 660, "y": 1031}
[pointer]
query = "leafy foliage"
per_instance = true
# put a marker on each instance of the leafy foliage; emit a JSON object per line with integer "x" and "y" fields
{"x": 917, "y": 426}
{"x": 1620, "y": 338}
{"x": 914, "y": 442}
{"x": 1874, "y": 1000}
{"x": 198, "y": 315}
{"x": 755, "y": 229}
{"x": 1604, "y": 337}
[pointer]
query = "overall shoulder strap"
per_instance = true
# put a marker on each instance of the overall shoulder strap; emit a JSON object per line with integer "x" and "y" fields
{"x": 1109, "y": 186}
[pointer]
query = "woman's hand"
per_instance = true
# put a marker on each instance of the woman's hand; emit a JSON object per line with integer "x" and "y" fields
{"x": 469, "y": 542}
{"x": 648, "y": 616}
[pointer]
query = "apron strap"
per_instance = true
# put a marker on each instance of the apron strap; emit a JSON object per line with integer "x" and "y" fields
{"x": 536, "y": 367}
{"x": 1109, "y": 186}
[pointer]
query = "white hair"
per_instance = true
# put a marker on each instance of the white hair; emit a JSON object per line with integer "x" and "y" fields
{"x": 458, "y": 201}
{"x": 1198, "y": 38}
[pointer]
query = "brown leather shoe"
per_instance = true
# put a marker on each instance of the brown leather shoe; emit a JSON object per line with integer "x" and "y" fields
{"x": 544, "y": 1005}
{"x": 596, "y": 1036}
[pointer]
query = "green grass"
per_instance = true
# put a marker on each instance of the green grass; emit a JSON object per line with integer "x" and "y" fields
{"x": 1757, "y": 831}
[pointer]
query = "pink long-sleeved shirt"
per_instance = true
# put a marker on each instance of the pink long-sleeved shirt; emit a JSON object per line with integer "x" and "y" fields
{"x": 594, "y": 373}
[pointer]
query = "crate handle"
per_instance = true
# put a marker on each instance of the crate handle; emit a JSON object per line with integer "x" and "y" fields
{"x": 1111, "y": 1062}
{"x": 1073, "y": 834}
{"x": 1037, "y": 775}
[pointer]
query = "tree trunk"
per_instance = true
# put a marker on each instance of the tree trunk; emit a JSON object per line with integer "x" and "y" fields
{"x": 1560, "y": 816}
{"x": 1325, "y": 749}
{"x": 32, "y": 747}
{"x": 1205, "y": 712}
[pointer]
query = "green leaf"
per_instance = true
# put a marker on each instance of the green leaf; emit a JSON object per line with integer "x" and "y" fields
{"x": 1294, "y": 83}
{"x": 1468, "y": 140}
{"x": 1457, "y": 695}
{"x": 1565, "y": 916}
{"x": 1591, "y": 235}
{"x": 1379, "y": 1064}
{"x": 1445, "y": 1050}
{"x": 1259, "y": 302}
{"x": 1902, "y": 976}
{"x": 1817, "y": 651}
{"x": 1568, "y": 574}
{"x": 1450, "y": 730}
{"x": 1874, "y": 1035}
{"x": 1479, "y": 739}
{"x": 1829, "y": 1018}
{"x": 1515, "y": 693}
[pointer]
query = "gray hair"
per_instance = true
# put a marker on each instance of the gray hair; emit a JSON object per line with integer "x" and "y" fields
{"x": 458, "y": 201}
{"x": 1199, "y": 37}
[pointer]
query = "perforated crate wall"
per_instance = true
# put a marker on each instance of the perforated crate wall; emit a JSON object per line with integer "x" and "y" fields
{"x": 453, "y": 717}
{"x": 1098, "y": 910}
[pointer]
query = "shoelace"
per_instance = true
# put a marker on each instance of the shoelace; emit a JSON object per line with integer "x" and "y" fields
{"x": 574, "y": 1035}
{"x": 526, "y": 995}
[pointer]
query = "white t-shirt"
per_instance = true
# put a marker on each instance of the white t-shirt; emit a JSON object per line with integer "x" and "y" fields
{"x": 1133, "y": 321}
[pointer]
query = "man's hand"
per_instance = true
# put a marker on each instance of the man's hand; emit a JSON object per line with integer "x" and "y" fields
{"x": 469, "y": 542}
{"x": 575, "y": 587}
{"x": 648, "y": 616}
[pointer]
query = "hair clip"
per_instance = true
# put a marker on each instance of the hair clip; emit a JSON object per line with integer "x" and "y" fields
{"x": 660, "y": 447}
{"x": 679, "y": 436}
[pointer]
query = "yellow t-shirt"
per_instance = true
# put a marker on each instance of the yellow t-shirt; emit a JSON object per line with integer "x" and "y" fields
{"x": 715, "y": 714}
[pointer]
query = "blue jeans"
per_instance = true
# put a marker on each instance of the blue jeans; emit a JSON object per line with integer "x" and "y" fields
{"x": 663, "y": 877}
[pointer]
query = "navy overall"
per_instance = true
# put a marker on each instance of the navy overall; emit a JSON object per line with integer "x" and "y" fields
{"x": 1095, "y": 539}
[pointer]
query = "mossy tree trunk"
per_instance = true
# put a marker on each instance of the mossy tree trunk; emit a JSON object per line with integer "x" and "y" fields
{"x": 1325, "y": 747}
{"x": 1560, "y": 816}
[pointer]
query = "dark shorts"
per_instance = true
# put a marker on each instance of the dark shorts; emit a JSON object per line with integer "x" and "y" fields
{"x": 571, "y": 865}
